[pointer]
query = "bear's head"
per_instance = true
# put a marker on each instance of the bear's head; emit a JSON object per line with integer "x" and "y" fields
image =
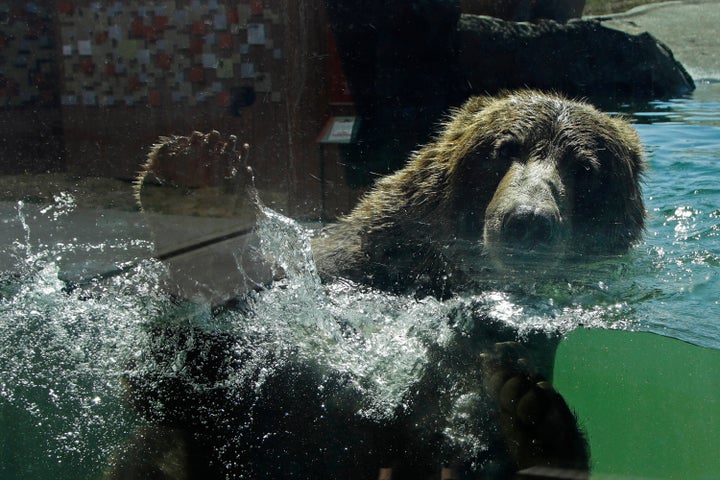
{"x": 538, "y": 177}
{"x": 527, "y": 179}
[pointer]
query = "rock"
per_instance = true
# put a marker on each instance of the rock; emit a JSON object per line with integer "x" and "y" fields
{"x": 579, "y": 58}
{"x": 523, "y": 10}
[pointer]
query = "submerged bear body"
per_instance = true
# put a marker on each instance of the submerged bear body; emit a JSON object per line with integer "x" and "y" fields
{"x": 517, "y": 184}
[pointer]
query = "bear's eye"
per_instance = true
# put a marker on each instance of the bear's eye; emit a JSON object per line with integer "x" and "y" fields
{"x": 586, "y": 176}
{"x": 508, "y": 149}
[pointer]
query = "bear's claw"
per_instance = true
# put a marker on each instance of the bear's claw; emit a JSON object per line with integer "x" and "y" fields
{"x": 536, "y": 423}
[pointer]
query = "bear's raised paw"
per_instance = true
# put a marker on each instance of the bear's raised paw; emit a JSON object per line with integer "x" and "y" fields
{"x": 197, "y": 160}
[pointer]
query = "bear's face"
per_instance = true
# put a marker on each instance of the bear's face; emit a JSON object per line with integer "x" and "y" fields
{"x": 527, "y": 179}
{"x": 550, "y": 179}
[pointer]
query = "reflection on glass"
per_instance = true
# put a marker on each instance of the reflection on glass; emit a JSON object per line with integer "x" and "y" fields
{"x": 493, "y": 307}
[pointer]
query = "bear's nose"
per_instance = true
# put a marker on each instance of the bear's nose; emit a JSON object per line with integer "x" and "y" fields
{"x": 528, "y": 227}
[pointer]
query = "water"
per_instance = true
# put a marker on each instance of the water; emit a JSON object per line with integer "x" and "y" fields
{"x": 64, "y": 352}
{"x": 681, "y": 254}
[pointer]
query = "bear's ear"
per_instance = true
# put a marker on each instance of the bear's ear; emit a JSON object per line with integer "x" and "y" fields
{"x": 476, "y": 104}
{"x": 633, "y": 144}
{"x": 463, "y": 120}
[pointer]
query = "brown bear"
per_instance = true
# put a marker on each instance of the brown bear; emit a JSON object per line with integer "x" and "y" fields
{"x": 517, "y": 183}
{"x": 530, "y": 179}
{"x": 527, "y": 178}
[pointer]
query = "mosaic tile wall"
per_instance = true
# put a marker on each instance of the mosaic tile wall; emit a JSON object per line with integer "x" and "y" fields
{"x": 87, "y": 86}
{"x": 28, "y": 64}
{"x": 164, "y": 53}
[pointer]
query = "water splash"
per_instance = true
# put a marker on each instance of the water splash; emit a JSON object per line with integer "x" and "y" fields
{"x": 381, "y": 341}
{"x": 288, "y": 245}
{"x": 64, "y": 353}
{"x": 61, "y": 360}
{"x": 64, "y": 203}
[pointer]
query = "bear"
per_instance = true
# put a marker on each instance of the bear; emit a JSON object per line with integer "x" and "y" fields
{"x": 520, "y": 183}
{"x": 523, "y": 177}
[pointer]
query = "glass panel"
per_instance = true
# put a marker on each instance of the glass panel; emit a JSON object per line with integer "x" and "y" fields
{"x": 313, "y": 239}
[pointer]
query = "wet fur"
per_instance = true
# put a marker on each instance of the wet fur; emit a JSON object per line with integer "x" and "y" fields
{"x": 462, "y": 185}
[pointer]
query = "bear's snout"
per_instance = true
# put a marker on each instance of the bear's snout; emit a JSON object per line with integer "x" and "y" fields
{"x": 530, "y": 228}
{"x": 524, "y": 222}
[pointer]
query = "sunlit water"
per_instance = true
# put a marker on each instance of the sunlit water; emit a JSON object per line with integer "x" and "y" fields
{"x": 63, "y": 351}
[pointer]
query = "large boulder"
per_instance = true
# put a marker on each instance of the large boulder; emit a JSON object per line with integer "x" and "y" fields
{"x": 581, "y": 57}
{"x": 522, "y": 10}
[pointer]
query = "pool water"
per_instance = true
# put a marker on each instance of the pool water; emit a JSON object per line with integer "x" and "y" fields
{"x": 64, "y": 351}
{"x": 682, "y": 249}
